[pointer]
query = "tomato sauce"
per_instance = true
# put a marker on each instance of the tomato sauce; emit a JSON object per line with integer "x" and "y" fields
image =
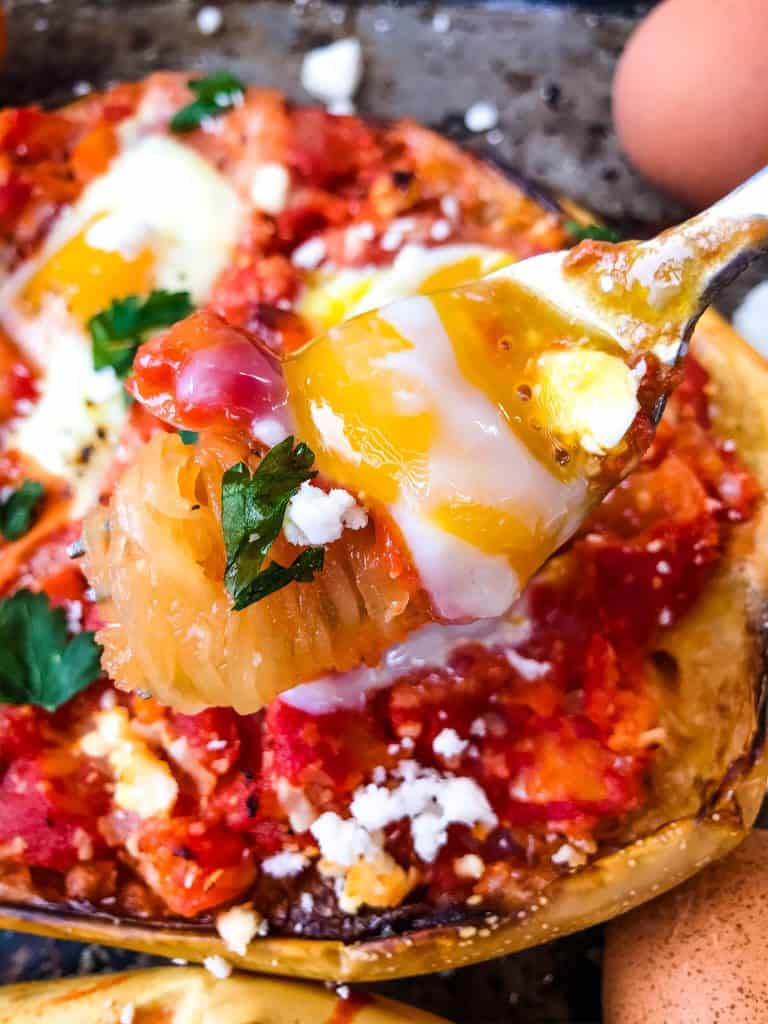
{"x": 560, "y": 730}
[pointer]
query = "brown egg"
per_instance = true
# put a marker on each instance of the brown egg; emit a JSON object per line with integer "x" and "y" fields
{"x": 690, "y": 97}
{"x": 698, "y": 955}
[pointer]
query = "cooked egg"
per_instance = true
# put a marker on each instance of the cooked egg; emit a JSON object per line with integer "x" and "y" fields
{"x": 698, "y": 954}
{"x": 159, "y": 217}
{"x": 463, "y": 417}
{"x": 335, "y": 295}
{"x": 690, "y": 96}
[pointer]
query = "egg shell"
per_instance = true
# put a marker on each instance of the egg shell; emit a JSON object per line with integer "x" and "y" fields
{"x": 690, "y": 96}
{"x": 698, "y": 955}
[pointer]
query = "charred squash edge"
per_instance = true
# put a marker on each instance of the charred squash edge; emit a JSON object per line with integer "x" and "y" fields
{"x": 610, "y": 885}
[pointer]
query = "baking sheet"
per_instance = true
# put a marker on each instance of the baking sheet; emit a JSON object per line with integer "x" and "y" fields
{"x": 548, "y": 69}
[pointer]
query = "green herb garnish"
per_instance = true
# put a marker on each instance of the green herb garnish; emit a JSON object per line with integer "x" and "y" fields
{"x": 599, "y": 232}
{"x": 39, "y": 663}
{"x": 188, "y": 436}
{"x": 252, "y": 512}
{"x": 214, "y": 95}
{"x": 118, "y": 330}
{"x": 19, "y": 509}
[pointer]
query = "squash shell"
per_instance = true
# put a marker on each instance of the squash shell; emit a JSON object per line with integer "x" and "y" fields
{"x": 721, "y": 651}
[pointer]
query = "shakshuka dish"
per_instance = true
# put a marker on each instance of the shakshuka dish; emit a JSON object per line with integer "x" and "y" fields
{"x": 265, "y": 694}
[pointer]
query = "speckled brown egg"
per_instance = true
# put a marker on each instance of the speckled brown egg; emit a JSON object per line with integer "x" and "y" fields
{"x": 690, "y": 96}
{"x": 698, "y": 955}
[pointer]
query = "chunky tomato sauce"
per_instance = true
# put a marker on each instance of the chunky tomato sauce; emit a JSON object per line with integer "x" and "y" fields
{"x": 559, "y": 730}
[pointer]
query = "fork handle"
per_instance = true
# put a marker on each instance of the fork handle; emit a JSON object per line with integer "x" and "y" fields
{"x": 750, "y": 199}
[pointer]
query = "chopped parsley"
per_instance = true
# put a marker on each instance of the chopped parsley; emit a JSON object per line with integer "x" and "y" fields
{"x": 214, "y": 95}
{"x": 188, "y": 436}
{"x": 39, "y": 663}
{"x": 252, "y": 512}
{"x": 117, "y": 331}
{"x": 599, "y": 232}
{"x": 19, "y": 509}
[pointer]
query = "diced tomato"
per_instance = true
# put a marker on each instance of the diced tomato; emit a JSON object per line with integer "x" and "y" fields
{"x": 51, "y": 811}
{"x": 93, "y": 152}
{"x": 21, "y": 732}
{"x": 328, "y": 755}
{"x": 212, "y": 738}
{"x": 194, "y": 867}
{"x": 330, "y": 151}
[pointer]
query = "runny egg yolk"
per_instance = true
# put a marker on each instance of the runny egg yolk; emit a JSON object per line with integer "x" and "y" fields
{"x": 334, "y": 296}
{"x": 475, "y": 415}
{"x": 88, "y": 278}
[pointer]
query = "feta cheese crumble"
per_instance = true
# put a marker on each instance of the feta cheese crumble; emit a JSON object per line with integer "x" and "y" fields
{"x": 469, "y": 866}
{"x": 569, "y": 856}
{"x": 284, "y": 865}
{"x": 333, "y": 73}
{"x": 482, "y": 116}
{"x": 270, "y": 186}
{"x": 449, "y": 744}
{"x": 144, "y": 782}
{"x": 209, "y": 20}
{"x": 309, "y": 254}
{"x": 218, "y": 966}
{"x": 430, "y": 800}
{"x": 315, "y": 516}
{"x": 238, "y": 926}
{"x": 343, "y": 841}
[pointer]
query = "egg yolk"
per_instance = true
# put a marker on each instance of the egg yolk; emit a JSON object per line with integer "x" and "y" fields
{"x": 346, "y": 404}
{"x": 480, "y": 406}
{"x": 88, "y": 279}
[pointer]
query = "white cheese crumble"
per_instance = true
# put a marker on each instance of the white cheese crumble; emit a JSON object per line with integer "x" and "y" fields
{"x": 127, "y": 1014}
{"x": 316, "y": 517}
{"x": 269, "y": 430}
{"x": 238, "y": 926}
{"x": 218, "y": 966}
{"x": 270, "y": 186}
{"x": 430, "y": 800}
{"x": 440, "y": 230}
{"x": 569, "y": 856}
{"x": 209, "y": 20}
{"x": 333, "y": 73}
{"x": 342, "y": 841}
{"x": 482, "y": 116}
{"x": 469, "y": 866}
{"x": 309, "y": 254}
{"x": 144, "y": 783}
{"x": 449, "y": 744}
{"x": 284, "y": 865}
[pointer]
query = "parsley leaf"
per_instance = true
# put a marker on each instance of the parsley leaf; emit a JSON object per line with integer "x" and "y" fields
{"x": 599, "y": 232}
{"x": 252, "y": 513}
{"x": 19, "y": 509}
{"x": 118, "y": 330}
{"x": 214, "y": 95}
{"x": 189, "y": 436}
{"x": 39, "y": 664}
